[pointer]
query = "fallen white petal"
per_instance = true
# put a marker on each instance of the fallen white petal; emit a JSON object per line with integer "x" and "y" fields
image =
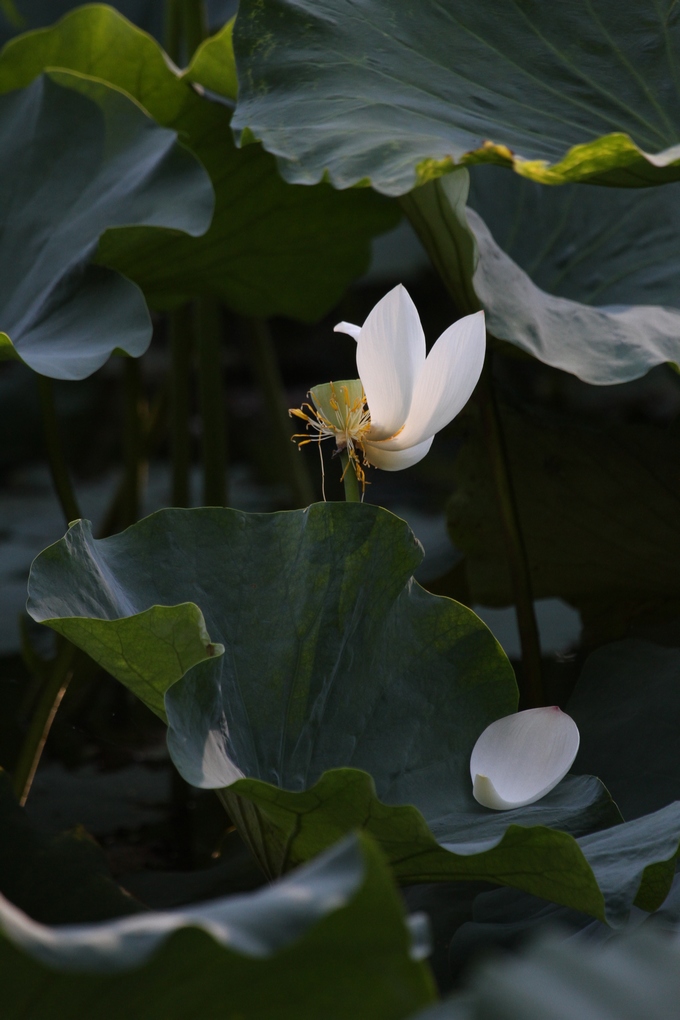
{"x": 396, "y": 460}
{"x": 349, "y": 328}
{"x": 390, "y": 356}
{"x": 520, "y": 758}
{"x": 446, "y": 382}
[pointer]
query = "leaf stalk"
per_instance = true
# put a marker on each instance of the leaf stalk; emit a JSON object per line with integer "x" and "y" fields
{"x": 55, "y": 451}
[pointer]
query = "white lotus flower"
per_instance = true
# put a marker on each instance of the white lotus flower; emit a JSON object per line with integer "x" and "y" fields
{"x": 520, "y": 758}
{"x": 389, "y": 416}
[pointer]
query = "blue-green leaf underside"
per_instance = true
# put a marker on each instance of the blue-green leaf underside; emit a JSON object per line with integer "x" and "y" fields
{"x": 582, "y": 278}
{"x": 591, "y": 284}
{"x": 77, "y": 161}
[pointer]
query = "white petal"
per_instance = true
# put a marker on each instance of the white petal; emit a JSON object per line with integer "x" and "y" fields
{"x": 520, "y": 758}
{"x": 444, "y": 386}
{"x": 347, "y": 327}
{"x": 396, "y": 460}
{"x": 390, "y": 356}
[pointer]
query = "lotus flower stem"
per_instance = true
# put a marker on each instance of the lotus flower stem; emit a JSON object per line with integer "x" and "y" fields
{"x": 8, "y": 8}
{"x": 133, "y": 452}
{"x": 180, "y": 373}
{"x": 42, "y": 718}
{"x": 211, "y": 401}
{"x": 531, "y": 684}
{"x": 195, "y": 25}
{"x": 186, "y": 26}
{"x": 267, "y": 373}
{"x": 349, "y": 479}
{"x": 172, "y": 30}
{"x": 55, "y": 451}
{"x": 153, "y": 429}
{"x": 453, "y": 255}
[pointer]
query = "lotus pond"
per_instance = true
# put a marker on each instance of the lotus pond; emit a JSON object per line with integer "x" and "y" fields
{"x": 339, "y": 510}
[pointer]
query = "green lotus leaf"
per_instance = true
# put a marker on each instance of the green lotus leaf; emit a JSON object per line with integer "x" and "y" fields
{"x": 271, "y": 249}
{"x": 582, "y": 278}
{"x": 398, "y": 94}
{"x": 329, "y": 941}
{"x": 346, "y": 697}
{"x": 77, "y": 161}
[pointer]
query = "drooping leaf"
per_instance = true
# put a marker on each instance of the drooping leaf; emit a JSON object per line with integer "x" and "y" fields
{"x": 399, "y": 94}
{"x": 74, "y": 165}
{"x": 55, "y": 879}
{"x": 271, "y": 248}
{"x": 328, "y": 941}
{"x": 337, "y": 664}
{"x": 627, "y": 706}
{"x": 583, "y": 278}
{"x": 599, "y": 507}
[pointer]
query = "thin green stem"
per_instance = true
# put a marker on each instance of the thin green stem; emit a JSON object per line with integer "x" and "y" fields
{"x": 186, "y": 26}
{"x": 531, "y": 685}
{"x": 268, "y": 375}
{"x": 172, "y": 30}
{"x": 182, "y": 820}
{"x": 195, "y": 25}
{"x": 349, "y": 479}
{"x": 153, "y": 428}
{"x": 452, "y": 251}
{"x": 55, "y": 451}
{"x": 42, "y": 718}
{"x": 8, "y": 8}
{"x": 211, "y": 401}
{"x": 133, "y": 452}
{"x": 180, "y": 383}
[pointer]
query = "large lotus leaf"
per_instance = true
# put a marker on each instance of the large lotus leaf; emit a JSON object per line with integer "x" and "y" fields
{"x": 603, "y": 873}
{"x": 271, "y": 248}
{"x": 329, "y": 941}
{"x": 56, "y": 879}
{"x": 583, "y": 278}
{"x": 337, "y": 664}
{"x": 599, "y": 506}
{"x": 397, "y": 94}
{"x": 627, "y": 706}
{"x": 636, "y": 977}
{"x": 74, "y": 164}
